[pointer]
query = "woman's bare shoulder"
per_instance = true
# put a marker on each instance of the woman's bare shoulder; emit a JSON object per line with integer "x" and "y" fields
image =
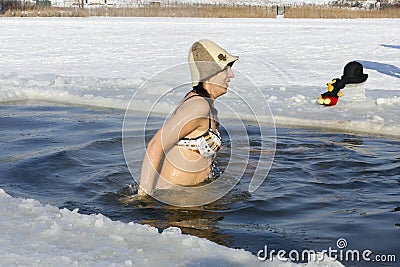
{"x": 196, "y": 105}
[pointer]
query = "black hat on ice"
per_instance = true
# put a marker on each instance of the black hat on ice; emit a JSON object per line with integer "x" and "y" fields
{"x": 353, "y": 73}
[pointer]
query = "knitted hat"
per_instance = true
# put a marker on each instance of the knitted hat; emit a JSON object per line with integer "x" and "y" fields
{"x": 207, "y": 59}
{"x": 353, "y": 73}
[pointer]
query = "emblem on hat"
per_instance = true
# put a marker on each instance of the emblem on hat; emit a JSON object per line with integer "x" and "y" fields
{"x": 222, "y": 57}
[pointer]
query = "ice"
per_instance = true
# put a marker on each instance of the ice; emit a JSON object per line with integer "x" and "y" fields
{"x": 103, "y": 62}
{"x": 390, "y": 101}
{"x": 33, "y": 234}
{"x": 354, "y": 92}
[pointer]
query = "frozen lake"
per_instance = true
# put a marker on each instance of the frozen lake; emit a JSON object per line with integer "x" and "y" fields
{"x": 65, "y": 85}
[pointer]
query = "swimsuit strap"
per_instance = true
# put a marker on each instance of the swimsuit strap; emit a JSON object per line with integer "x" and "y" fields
{"x": 191, "y": 97}
{"x": 184, "y": 101}
{"x": 209, "y": 120}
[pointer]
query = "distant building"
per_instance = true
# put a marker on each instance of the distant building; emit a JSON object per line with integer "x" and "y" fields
{"x": 100, "y": 3}
{"x": 86, "y": 3}
{"x": 155, "y": 3}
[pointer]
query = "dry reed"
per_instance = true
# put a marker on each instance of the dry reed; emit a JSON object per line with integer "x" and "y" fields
{"x": 209, "y": 11}
{"x": 310, "y": 11}
{"x": 202, "y": 11}
{"x": 47, "y": 12}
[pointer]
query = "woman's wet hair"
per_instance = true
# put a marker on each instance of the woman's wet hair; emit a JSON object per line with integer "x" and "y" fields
{"x": 199, "y": 89}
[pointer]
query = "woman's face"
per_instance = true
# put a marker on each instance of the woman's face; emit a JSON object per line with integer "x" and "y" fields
{"x": 219, "y": 83}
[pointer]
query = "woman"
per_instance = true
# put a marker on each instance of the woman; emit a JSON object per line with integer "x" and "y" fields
{"x": 182, "y": 151}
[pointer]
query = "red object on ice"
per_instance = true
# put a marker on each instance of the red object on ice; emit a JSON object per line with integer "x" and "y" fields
{"x": 330, "y": 100}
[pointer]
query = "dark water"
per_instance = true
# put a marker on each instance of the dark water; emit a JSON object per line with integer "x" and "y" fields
{"x": 322, "y": 186}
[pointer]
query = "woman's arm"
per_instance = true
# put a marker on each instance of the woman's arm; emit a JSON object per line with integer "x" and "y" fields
{"x": 187, "y": 119}
{"x": 151, "y": 164}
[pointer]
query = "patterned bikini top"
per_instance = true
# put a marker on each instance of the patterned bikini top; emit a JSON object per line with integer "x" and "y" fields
{"x": 207, "y": 144}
